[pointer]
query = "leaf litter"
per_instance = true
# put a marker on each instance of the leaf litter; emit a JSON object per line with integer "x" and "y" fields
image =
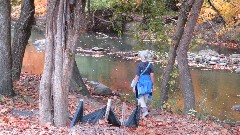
{"x": 26, "y": 102}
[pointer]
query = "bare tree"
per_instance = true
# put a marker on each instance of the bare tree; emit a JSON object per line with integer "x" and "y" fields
{"x": 6, "y": 86}
{"x": 65, "y": 18}
{"x": 183, "y": 68}
{"x": 183, "y": 35}
{"x": 77, "y": 83}
{"x": 182, "y": 19}
{"x": 22, "y": 32}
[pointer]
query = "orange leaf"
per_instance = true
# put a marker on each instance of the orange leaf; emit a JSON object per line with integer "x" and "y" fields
{"x": 5, "y": 119}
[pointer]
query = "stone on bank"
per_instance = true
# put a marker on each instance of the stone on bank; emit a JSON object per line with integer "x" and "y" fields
{"x": 102, "y": 90}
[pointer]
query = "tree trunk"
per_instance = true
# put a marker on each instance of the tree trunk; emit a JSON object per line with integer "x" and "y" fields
{"x": 45, "y": 90}
{"x": 22, "y": 32}
{"x": 182, "y": 19}
{"x": 62, "y": 34}
{"x": 184, "y": 72}
{"x": 77, "y": 83}
{"x": 6, "y": 86}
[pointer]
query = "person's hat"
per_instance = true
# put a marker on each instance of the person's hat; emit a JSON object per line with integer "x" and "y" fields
{"x": 145, "y": 55}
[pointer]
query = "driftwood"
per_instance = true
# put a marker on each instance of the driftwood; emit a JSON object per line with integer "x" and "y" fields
{"x": 236, "y": 108}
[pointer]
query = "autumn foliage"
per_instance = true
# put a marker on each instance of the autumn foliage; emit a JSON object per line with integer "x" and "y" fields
{"x": 40, "y": 8}
{"x": 230, "y": 10}
{"x": 228, "y": 14}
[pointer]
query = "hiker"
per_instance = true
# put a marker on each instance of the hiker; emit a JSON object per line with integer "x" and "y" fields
{"x": 143, "y": 82}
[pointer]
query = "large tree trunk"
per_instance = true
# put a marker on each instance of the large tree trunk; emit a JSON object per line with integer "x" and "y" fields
{"x": 182, "y": 19}
{"x": 22, "y": 32}
{"x": 45, "y": 90}
{"x": 62, "y": 32}
{"x": 6, "y": 86}
{"x": 184, "y": 72}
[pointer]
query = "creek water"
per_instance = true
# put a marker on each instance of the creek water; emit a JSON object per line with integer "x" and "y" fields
{"x": 216, "y": 91}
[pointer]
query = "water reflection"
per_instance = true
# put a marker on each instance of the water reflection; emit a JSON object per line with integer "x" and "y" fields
{"x": 33, "y": 62}
{"x": 90, "y": 40}
{"x": 221, "y": 89}
{"x": 112, "y": 42}
{"x": 113, "y": 72}
{"x": 215, "y": 91}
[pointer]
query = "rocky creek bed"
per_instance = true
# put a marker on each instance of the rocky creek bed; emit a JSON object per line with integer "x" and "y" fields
{"x": 205, "y": 59}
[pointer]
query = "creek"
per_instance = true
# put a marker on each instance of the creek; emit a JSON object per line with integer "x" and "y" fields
{"x": 216, "y": 91}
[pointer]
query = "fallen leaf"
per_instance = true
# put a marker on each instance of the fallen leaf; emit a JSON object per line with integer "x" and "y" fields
{"x": 5, "y": 119}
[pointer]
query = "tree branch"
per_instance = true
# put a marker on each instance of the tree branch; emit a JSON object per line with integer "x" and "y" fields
{"x": 216, "y": 10}
{"x": 102, "y": 19}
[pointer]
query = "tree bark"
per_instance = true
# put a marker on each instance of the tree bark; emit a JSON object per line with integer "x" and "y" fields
{"x": 62, "y": 34}
{"x": 182, "y": 19}
{"x": 184, "y": 72}
{"x": 6, "y": 86}
{"x": 77, "y": 83}
{"x": 22, "y": 32}
{"x": 45, "y": 90}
